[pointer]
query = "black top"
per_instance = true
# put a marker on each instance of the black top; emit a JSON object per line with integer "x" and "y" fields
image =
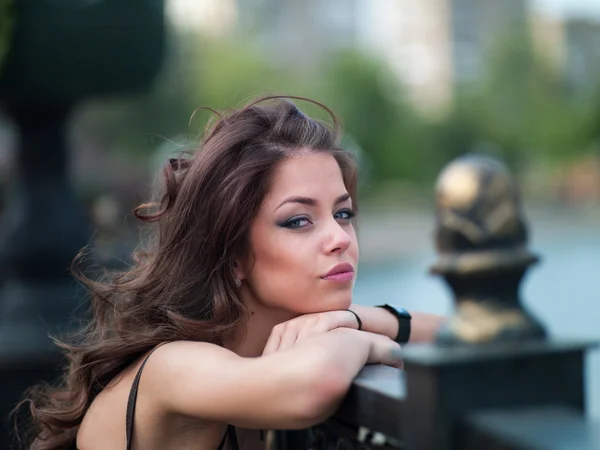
{"x": 230, "y": 433}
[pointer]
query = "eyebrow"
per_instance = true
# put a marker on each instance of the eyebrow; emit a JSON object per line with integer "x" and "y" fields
{"x": 311, "y": 201}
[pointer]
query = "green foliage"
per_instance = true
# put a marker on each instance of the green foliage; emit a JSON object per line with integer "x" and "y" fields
{"x": 590, "y": 122}
{"x": 6, "y": 27}
{"x": 355, "y": 87}
{"x": 520, "y": 108}
{"x": 370, "y": 104}
{"x": 459, "y": 132}
{"x": 526, "y": 105}
{"x": 228, "y": 74}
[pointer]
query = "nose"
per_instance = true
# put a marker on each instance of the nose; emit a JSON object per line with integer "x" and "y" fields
{"x": 337, "y": 239}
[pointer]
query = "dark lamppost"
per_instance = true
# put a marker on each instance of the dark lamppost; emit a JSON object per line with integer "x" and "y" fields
{"x": 57, "y": 54}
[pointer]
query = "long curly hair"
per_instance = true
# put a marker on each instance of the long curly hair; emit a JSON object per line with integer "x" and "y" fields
{"x": 181, "y": 284}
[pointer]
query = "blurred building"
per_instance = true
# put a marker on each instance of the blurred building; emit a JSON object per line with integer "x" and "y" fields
{"x": 548, "y": 37}
{"x": 215, "y": 18}
{"x": 582, "y": 54}
{"x": 434, "y": 45}
{"x": 430, "y": 45}
{"x": 572, "y": 44}
{"x": 301, "y": 32}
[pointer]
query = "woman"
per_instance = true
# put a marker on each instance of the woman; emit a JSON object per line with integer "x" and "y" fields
{"x": 239, "y": 312}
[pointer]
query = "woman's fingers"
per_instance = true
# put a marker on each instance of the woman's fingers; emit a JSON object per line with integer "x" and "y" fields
{"x": 272, "y": 343}
{"x": 285, "y": 335}
{"x": 315, "y": 327}
{"x": 288, "y": 339}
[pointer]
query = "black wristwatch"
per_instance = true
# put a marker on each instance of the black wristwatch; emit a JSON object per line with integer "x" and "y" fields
{"x": 403, "y": 317}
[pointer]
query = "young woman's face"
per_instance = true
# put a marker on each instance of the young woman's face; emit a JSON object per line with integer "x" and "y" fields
{"x": 304, "y": 251}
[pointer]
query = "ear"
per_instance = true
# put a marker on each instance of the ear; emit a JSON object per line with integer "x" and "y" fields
{"x": 238, "y": 269}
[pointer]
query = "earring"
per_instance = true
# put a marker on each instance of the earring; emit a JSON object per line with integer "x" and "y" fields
{"x": 238, "y": 282}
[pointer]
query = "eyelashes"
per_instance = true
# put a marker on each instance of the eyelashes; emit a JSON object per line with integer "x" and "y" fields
{"x": 347, "y": 213}
{"x": 297, "y": 222}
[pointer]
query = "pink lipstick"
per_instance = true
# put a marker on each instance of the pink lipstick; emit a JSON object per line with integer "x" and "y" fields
{"x": 341, "y": 272}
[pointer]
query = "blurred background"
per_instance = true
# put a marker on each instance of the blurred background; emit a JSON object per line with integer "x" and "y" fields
{"x": 415, "y": 82}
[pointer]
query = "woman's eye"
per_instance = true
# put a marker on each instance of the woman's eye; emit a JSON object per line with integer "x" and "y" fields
{"x": 296, "y": 222}
{"x": 345, "y": 214}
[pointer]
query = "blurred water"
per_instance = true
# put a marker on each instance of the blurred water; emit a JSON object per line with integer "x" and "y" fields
{"x": 563, "y": 291}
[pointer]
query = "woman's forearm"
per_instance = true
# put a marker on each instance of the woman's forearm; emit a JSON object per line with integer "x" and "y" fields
{"x": 424, "y": 326}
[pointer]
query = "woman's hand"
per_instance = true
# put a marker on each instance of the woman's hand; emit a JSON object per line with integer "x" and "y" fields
{"x": 384, "y": 350}
{"x": 286, "y": 334}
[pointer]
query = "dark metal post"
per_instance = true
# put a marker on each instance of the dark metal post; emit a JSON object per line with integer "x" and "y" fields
{"x": 59, "y": 54}
{"x": 492, "y": 354}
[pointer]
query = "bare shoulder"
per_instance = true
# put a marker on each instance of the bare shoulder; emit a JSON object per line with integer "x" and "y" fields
{"x": 179, "y": 354}
{"x": 178, "y": 361}
{"x": 106, "y": 416}
{"x": 186, "y": 368}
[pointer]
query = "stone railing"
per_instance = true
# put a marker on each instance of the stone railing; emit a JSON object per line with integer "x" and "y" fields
{"x": 493, "y": 379}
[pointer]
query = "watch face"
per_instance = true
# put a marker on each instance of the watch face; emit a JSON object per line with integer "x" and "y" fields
{"x": 404, "y": 313}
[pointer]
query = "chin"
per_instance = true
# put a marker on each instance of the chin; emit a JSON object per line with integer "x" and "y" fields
{"x": 338, "y": 301}
{"x": 322, "y": 303}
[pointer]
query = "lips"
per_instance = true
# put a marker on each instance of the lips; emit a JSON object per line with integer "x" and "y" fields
{"x": 341, "y": 272}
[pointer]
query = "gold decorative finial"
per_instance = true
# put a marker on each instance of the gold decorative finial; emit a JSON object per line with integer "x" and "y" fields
{"x": 481, "y": 240}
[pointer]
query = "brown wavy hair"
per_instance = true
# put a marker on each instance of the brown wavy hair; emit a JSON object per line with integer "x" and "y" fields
{"x": 181, "y": 284}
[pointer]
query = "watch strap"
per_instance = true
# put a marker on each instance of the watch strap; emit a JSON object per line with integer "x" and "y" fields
{"x": 404, "y": 319}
